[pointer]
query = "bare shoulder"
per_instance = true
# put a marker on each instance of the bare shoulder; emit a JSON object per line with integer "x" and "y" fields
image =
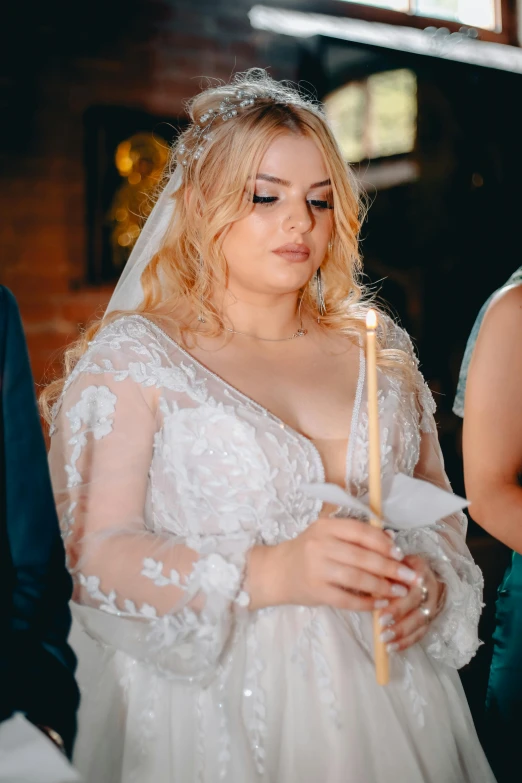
{"x": 505, "y": 310}
{"x": 498, "y": 339}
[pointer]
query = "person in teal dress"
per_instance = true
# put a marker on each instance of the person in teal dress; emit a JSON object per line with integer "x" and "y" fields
{"x": 489, "y": 399}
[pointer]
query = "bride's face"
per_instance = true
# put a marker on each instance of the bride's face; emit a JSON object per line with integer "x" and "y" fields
{"x": 279, "y": 245}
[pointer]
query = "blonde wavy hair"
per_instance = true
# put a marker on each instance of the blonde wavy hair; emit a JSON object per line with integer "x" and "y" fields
{"x": 190, "y": 267}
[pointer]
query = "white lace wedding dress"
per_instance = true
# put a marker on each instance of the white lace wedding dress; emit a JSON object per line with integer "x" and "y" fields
{"x": 154, "y": 457}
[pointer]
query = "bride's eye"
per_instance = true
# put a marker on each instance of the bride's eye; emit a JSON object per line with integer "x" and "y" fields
{"x": 264, "y": 199}
{"x": 320, "y": 204}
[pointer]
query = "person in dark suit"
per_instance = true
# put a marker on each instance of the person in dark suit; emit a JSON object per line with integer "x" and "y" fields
{"x": 36, "y": 664}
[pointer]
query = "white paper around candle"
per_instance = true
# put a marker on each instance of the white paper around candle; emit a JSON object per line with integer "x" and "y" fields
{"x": 27, "y": 756}
{"x": 407, "y": 502}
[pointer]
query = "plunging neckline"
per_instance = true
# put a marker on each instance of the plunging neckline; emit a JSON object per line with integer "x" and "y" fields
{"x": 350, "y": 444}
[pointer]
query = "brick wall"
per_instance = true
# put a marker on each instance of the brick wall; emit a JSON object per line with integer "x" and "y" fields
{"x": 144, "y": 54}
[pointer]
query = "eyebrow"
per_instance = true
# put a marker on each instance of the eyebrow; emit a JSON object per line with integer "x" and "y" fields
{"x": 286, "y": 184}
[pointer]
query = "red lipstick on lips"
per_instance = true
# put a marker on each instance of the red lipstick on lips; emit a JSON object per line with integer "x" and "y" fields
{"x": 293, "y": 252}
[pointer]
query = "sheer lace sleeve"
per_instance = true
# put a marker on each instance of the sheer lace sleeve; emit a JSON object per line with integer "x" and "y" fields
{"x": 453, "y": 636}
{"x": 169, "y": 601}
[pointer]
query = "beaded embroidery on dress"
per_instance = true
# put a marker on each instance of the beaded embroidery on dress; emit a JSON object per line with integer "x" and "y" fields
{"x": 165, "y": 476}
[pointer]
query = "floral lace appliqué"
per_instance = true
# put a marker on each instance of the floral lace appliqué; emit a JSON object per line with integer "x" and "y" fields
{"x": 94, "y": 411}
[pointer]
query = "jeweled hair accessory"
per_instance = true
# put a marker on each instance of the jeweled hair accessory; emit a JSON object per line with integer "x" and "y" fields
{"x": 229, "y": 108}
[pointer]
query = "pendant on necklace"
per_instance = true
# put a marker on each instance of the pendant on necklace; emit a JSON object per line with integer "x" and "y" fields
{"x": 301, "y": 332}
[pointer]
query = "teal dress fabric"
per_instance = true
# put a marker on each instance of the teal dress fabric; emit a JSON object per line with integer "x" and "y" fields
{"x": 503, "y": 723}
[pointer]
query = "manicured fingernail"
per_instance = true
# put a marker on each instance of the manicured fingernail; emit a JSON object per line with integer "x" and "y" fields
{"x": 381, "y": 603}
{"x": 399, "y": 591}
{"x": 391, "y": 533}
{"x": 387, "y": 636}
{"x": 406, "y": 574}
{"x": 386, "y": 619}
{"x": 397, "y": 553}
{"x": 420, "y": 582}
{"x": 393, "y": 647}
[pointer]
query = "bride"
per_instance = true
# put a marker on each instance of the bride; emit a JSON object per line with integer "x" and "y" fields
{"x": 224, "y": 617}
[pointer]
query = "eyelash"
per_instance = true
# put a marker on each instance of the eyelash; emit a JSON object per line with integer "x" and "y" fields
{"x": 267, "y": 200}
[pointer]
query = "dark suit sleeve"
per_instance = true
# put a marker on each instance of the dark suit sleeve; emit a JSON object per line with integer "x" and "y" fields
{"x": 37, "y": 666}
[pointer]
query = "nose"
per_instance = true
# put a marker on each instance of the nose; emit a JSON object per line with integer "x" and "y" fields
{"x": 299, "y": 218}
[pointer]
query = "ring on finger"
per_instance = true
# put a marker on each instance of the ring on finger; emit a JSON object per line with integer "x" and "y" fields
{"x": 425, "y": 594}
{"x": 426, "y": 613}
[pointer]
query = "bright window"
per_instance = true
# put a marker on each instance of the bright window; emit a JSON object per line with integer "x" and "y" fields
{"x": 475, "y": 13}
{"x": 390, "y": 5}
{"x": 375, "y": 118}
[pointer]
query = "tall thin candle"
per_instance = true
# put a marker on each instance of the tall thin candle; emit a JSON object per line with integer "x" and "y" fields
{"x": 381, "y": 656}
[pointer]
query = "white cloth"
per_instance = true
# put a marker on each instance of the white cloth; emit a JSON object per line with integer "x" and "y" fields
{"x": 154, "y": 457}
{"x": 407, "y": 502}
{"x": 27, "y": 756}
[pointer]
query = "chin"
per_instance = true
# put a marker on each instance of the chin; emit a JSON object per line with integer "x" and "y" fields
{"x": 291, "y": 279}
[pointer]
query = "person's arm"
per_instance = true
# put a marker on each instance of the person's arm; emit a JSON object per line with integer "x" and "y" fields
{"x": 452, "y": 635}
{"x": 41, "y": 664}
{"x": 492, "y": 436}
{"x": 141, "y": 583}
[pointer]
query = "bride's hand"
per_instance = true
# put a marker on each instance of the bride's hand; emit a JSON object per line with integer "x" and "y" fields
{"x": 406, "y": 620}
{"x": 341, "y": 563}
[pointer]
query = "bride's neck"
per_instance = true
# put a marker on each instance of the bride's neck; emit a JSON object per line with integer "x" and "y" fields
{"x": 272, "y": 317}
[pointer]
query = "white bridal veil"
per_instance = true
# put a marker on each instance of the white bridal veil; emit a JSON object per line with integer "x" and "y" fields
{"x": 128, "y": 292}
